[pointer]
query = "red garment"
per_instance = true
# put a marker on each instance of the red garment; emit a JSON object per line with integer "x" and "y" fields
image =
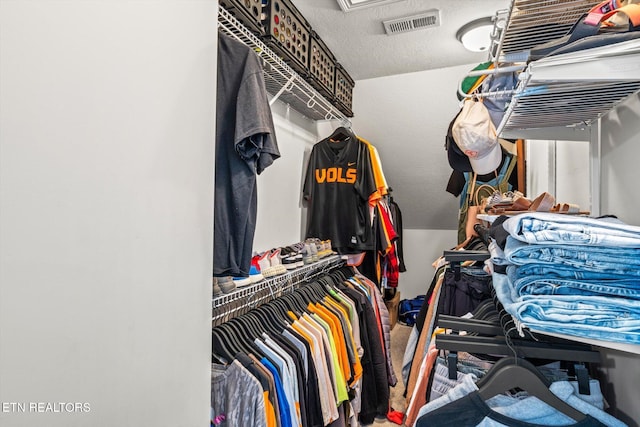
{"x": 387, "y": 253}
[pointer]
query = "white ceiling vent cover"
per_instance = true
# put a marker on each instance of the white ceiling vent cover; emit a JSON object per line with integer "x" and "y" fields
{"x": 427, "y": 19}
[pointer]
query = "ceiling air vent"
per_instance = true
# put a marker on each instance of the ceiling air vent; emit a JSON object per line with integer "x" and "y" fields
{"x": 413, "y": 23}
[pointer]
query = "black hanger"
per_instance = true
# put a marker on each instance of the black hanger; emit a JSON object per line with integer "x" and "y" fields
{"x": 280, "y": 305}
{"x": 236, "y": 340}
{"x": 510, "y": 373}
{"x": 268, "y": 320}
{"x": 341, "y": 134}
{"x": 219, "y": 349}
{"x": 294, "y": 304}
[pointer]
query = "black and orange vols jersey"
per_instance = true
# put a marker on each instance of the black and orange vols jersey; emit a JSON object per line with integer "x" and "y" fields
{"x": 338, "y": 183}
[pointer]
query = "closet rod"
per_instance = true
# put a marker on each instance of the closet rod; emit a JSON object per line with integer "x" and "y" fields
{"x": 491, "y": 71}
{"x": 499, "y": 70}
{"x": 465, "y": 255}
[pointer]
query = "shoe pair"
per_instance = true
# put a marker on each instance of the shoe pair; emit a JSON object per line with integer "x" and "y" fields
{"x": 223, "y": 285}
{"x": 269, "y": 263}
{"x": 318, "y": 248}
{"x": 291, "y": 258}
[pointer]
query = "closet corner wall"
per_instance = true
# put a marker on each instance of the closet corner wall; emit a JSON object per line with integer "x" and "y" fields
{"x": 620, "y": 133}
{"x": 106, "y": 183}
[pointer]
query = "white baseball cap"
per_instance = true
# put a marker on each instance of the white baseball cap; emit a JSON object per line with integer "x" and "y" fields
{"x": 475, "y": 134}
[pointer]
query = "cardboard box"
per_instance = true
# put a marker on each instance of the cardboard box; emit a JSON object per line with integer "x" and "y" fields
{"x": 392, "y": 307}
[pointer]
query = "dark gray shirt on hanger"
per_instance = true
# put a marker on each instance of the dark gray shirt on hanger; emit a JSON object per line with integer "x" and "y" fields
{"x": 245, "y": 145}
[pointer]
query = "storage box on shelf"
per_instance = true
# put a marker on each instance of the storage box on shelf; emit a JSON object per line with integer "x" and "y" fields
{"x": 288, "y": 33}
{"x": 281, "y": 80}
{"x": 251, "y": 13}
{"x": 343, "y": 91}
{"x": 322, "y": 66}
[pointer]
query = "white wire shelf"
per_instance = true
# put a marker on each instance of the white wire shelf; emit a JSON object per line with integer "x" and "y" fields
{"x": 227, "y": 306}
{"x": 533, "y": 22}
{"x": 281, "y": 81}
{"x": 561, "y": 95}
{"x": 573, "y": 89}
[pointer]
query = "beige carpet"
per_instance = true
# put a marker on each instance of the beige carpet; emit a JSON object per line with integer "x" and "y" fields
{"x": 399, "y": 337}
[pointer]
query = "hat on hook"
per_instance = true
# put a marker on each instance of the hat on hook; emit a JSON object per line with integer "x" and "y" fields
{"x": 475, "y": 135}
{"x": 457, "y": 159}
{"x": 471, "y": 83}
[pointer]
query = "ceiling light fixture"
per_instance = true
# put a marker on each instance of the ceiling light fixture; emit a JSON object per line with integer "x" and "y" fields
{"x": 349, "y": 5}
{"x": 476, "y": 35}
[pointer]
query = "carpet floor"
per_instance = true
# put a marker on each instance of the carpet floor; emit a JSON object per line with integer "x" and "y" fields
{"x": 399, "y": 336}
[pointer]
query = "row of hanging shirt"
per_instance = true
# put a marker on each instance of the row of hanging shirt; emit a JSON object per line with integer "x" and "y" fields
{"x": 315, "y": 357}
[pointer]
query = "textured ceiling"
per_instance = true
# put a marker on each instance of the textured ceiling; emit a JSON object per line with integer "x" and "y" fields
{"x": 360, "y": 44}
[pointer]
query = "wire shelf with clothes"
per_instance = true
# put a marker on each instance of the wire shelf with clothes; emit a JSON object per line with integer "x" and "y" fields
{"x": 227, "y": 306}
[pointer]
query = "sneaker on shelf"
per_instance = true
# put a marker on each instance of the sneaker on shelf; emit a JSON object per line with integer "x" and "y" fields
{"x": 298, "y": 247}
{"x": 307, "y": 256}
{"x": 314, "y": 250}
{"x": 329, "y": 247}
{"x": 255, "y": 275}
{"x": 322, "y": 252}
{"x": 225, "y": 284}
{"x": 325, "y": 251}
{"x": 216, "y": 288}
{"x": 299, "y": 260}
{"x": 289, "y": 262}
{"x": 262, "y": 260}
{"x": 276, "y": 261}
{"x": 241, "y": 281}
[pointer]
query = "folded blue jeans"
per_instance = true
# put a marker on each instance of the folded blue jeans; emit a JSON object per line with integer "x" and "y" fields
{"x": 551, "y": 228}
{"x": 597, "y": 317}
{"x": 610, "y": 260}
{"x": 546, "y": 284}
{"x": 559, "y": 271}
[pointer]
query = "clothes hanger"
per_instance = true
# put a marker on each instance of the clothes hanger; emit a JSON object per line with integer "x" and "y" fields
{"x": 235, "y": 339}
{"x": 244, "y": 332}
{"x": 280, "y": 307}
{"x": 219, "y": 349}
{"x": 510, "y": 373}
{"x": 269, "y": 320}
{"x": 341, "y": 134}
{"x": 294, "y": 304}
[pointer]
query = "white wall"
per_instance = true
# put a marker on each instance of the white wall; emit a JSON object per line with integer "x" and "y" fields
{"x": 421, "y": 248}
{"x": 620, "y": 152}
{"x": 620, "y": 197}
{"x": 561, "y": 168}
{"x": 106, "y": 174}
{"x": 406, "y": 117}
{"x": 279, "y": 221}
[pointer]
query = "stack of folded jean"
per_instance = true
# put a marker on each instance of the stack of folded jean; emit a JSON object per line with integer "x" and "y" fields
{"x": 572, "y": 275}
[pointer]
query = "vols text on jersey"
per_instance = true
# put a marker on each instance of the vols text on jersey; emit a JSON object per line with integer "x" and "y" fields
{"x": 347, "y": 176}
